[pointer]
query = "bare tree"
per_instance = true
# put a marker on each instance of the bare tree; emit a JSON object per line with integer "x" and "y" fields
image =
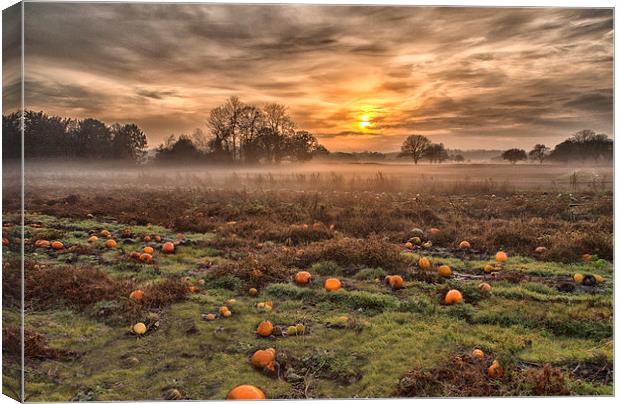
{"x": 414, "y": 147}
{"x": 539, "y": 152}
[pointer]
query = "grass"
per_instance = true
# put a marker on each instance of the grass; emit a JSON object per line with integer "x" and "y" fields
{"x": 528, "y": 321}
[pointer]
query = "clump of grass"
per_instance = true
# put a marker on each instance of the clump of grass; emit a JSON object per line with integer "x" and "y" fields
{"x": 228, "y": 282}
{"x": 326, "y": 268}
{"x": 368, "y": 274}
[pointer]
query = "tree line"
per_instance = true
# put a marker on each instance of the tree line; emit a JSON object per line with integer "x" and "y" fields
{"x": 238, "y": 133}
{"x": 57, "y": 137}
{"x": 244, "y": 133}
{"x": 585, "y": 145}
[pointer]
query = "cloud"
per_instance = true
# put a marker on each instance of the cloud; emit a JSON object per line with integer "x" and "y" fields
{"x": 458, "y": 75}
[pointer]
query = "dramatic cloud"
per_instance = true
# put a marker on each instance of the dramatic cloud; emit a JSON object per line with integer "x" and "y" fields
{"x": 468, "y": 77}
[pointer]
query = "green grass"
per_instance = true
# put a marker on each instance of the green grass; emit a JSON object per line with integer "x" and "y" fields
{"x": 387, "y": 334}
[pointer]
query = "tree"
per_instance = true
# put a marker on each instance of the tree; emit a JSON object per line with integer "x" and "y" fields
{"x": 302, "y": 145}
{"x": 539, "y": 152}
{"x": 458, "y": 158}
{"x": 129, "y": 142}
{"x": 11, "y": 136}
{"x": 514, "y": 155}
{"x": 182, "y": 149}
{"x": 584, "y": 145}
{"x": 436, "y": 152}
{"x": 414, "y": 147}
{"x": 92, "y": 139}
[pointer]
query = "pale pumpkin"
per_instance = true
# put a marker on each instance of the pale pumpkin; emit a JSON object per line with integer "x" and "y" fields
{"x": 139, "y": 328}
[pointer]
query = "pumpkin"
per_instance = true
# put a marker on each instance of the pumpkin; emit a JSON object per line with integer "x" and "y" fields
{"x": 488, "y": 268}
{"x": 332, "y": 284}
{"x": 396, "y": 282}
{"x": 227, "y": 313}
{"x": 444, "y": 271}
{"x": 495, "y": 371}
{"x": 484, "y": 287}
{"x": 578, "y": 278}
{"x": 433, "y": 231}
{"x": 223, "y": 309}
{"x": 453, "y": 296}
{"x": 173, "y": 394}
{"x": 57, "y": 245}
{"x": 139, "y": 328}
{"x": 464, "y": 245}
{"x": 5, "y": 241}
{"x": 599, "y": 278}
{"x": 42, "y": 244}
{"x": 302, "y": 277}
{"x": 415, "y": 240}
{"x": 146, "y": 258}
{"x": 501, "y": 256}
{"x": 92, "y": 239}
{"x": 136, "y": 295}
{"x": 424, "y": 263}
{"x": 147, "y": 238}
{"x": 291, "y": 330}
{"x": 158, "y": 238}
{"x": 253, "y": 292}
{"x": 477, "y": 353}
{"x": 586, "y": 258}
{"x": 168, "y": 247}
{"x": 427, "y": 245}
{"x": 245, "y": 392}
{"x": 210, "y": 317}
{"x": 265, "y": 328}
{"x": 110, "y": 243}
{"x": 148, "y": 250}
{"x": 343, "y": 319}
{"x": 264, "y": 359}
{"x": 300, "y": 328}
{"x": 105, "y": 233}
{"x": 408, "y": 245}
{"x": 193, "y": 289}
{"x": 540, "y": 250}
{"x": 416, "y": 232}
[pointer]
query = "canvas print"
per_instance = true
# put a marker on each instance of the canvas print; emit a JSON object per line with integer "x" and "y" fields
{"x": 236, "y": 201}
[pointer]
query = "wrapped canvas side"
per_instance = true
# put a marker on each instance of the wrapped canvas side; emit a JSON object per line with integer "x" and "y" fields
{"x": 12, "y": 204}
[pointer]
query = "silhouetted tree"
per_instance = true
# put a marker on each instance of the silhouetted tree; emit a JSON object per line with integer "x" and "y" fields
{"x": 436, "y": 152}
{"x": 129, "y": 142}
{"x": 11, "y": 136}
{"x": 92, "y": 139}
{"x": 458, "y": 158}
{"x": 539, "y": 152}
{"x": 514, "y": 155}
{"x": 414, "y": 147}
{"x": 584, "y": 145}
{"x": 181, "y": 150}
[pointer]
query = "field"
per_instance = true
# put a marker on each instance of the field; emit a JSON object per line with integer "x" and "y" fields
{"x": 237, "y": 230}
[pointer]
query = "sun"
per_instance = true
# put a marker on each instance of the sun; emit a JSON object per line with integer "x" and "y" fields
{"x": 364, "y": 122}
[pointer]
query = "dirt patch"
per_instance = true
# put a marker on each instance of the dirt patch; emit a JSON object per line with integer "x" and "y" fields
{"x": 35, "y": 345}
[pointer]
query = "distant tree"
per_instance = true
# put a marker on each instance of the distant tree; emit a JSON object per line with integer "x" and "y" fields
{"x": 129, "y": 142}
{"x": 414, "y": 147}
{"x": 539, "y": 152}
{"x": 436, "y": 152}
{"x": 321, "y": 151}
{"x": 514, "y": 155}
{"x": 301, "y": 146}
{"x": 179, "y": 150}
{"x": 458, "y": 158}
{"x": 92, "y": 139}
{"x": 11, "y": 136}
{"x": 584, "y": 145}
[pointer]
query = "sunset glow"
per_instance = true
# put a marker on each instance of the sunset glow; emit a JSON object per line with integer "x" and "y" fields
{"x": 359, "y": 78}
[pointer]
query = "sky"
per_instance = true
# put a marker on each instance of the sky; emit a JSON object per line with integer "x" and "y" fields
{"x": 359, "y": 78}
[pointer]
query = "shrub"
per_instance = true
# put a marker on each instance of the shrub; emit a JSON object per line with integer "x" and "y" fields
{"x": 326, "y": 268}
{"x": 368, "y": 274}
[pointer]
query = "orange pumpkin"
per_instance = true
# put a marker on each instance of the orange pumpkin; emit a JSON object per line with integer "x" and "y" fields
{"x": 148, "y": 250}
{"x": 464, "y": 245}
{"x": 168, "y": 247}
{"x": 253, "y": 292}
{"x": 105, "y": 233}
{"x": 501, "y": 256}
{"x": 424, "y": 263}
{"x": 477, "y": 353}
{"x": 488, "y": 268}
{"x": 453, "y": 296}
{"x": 146, "y": 258}
{"x": 332, "y": 284}
{"x": 57, "y": 245}
{"x": 110, "y": 243}
{"x": 265, "y": 328}
{"x": 264, "y": 359}
{"x": 484, "y": 287}
{"x": 147, "y": 238}
{"x": 92, "y": 239}
{"x": 42, "y": 244}
{"x": 444, "y": 271}
{"x": 540, "y": 250}
{"x": 134, "y": 255}
{"x": 495, "y": 371}
{"x": 193, "y": 289}
{"x": 223, "y": 309}
{"x": 433, "y": 231}
{"x": 396, "y": 282}
{"x": 303, "y": 277}
{"x": 246, "y": 392}
{"x": 158, "y": 238}
{"x": 136, "y": 295}
{"x": 586, "y": 258}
